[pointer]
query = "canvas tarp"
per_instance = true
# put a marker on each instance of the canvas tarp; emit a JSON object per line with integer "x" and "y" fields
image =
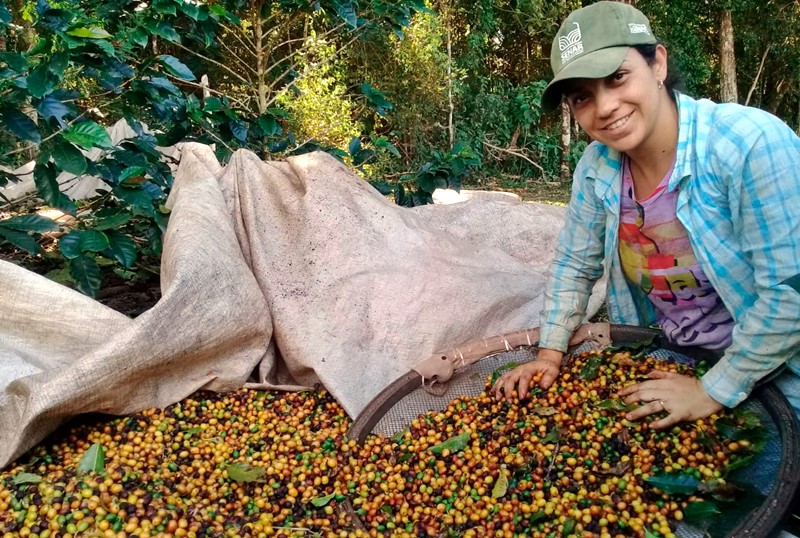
{"x": 274, "y": 274}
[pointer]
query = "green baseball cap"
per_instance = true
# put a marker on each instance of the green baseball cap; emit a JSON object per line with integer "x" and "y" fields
{"x": 592, "y": 42}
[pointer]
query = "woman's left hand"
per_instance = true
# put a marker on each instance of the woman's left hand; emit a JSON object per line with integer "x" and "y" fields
{"x": 682, "y": 397}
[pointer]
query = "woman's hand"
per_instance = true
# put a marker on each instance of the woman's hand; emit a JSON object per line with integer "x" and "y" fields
{"x": 682, "y": 397}
{"x": 547, "y": 362}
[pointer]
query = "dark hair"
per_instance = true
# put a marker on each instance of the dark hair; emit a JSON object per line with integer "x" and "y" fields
{"x": 674, "y": 80}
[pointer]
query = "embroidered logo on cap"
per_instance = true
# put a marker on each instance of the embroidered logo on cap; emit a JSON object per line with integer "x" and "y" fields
{"x": 570, "y": 44}
{"x": 638, "y": 28}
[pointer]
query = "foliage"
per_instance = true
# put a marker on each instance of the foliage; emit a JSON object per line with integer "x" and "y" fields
{"x": 119, "y": 59}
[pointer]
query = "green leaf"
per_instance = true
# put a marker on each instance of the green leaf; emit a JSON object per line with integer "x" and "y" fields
{"x": 242, "y": 472}
{"x": 88, "y": 135}
{"x": 633, "y": 347}
{"x": 92, "y": 32}
{"x": 50, "y": 107}
{"x": 122, "y": 248}
{"x": 44, "y": 175}
{"x": 30, "y": 223}
{"x": 454, "y": 444}
{"x": 133, "y": 176}
{"x": 500, "y": 486}
{"x": 15, "y": 61}
{"x": 39, "y": 82}
{"x": 552, "y": 436}
{"x": 5, "y": 14}
{"x": 569, "y": 526}
{"x": 137, "y": 198}
{"x": 322, "y": 501}
{"x": 26, "y": 478}
{"x": 176, "y": 67}
{"x": 93, "y": 461}
{"x": 238, "y": 129}
{"x": 354, "y": 146}
{"x": 20, "y": 125}
{"x": 269, "y": 125}
{"x": 500, "y": 371}
{"x": 346, "y": 10}
{"x": 166, "y": 30}
{"x": 696, "y": 513}
{"x": 20, "y": 240}
{"x": 86, "y": 274}
{"x": 649, "y": 534}
{"x": 112, "y": 221}
{"x": 60, "y": 275}
{"x": 69, "y": 158}
{"x": 212, "y": 104}
{"x": 58, "y": 64}
{"x": 682, "y": 483}
{"x": 76, "y": 242}
{"x": 592, "y": 366}
{"x": 139, "y": 37}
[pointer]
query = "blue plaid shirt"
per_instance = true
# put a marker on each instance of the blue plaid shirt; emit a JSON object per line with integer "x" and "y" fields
{"x": 737, "y": 171}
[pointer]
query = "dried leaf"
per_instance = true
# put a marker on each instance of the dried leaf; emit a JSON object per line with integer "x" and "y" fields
{"x": 500, "y": 486}
{"x": 618, "y": 470}
{"x": 545, "y": 411}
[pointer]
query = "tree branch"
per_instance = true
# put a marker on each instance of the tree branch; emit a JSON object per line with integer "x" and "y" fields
{"x": 516, "y": 153}
{"x": 306, "y": 71}
{"x": 218, "y": 64}
{"x": 758, "y": 74}
{"x": 232, "y": 54}
{"x": 240, "y": 37}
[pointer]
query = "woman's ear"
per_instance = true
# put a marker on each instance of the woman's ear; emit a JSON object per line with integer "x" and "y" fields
{"x": 660, "y": 63}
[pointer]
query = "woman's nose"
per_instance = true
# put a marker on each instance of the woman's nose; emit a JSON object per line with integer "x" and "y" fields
{"x": 607, "y": 102}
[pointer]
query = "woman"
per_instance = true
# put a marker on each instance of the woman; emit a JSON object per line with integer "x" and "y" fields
{"x": 692, "y": 207}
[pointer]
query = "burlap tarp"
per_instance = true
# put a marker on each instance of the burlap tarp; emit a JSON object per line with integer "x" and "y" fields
{"x": 277, "y": 274}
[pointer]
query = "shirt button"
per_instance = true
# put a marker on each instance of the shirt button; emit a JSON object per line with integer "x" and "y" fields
{"x": 742, "y": 395}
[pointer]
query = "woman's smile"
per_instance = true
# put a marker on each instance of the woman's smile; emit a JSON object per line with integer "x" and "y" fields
{"x": 619, "y": 123}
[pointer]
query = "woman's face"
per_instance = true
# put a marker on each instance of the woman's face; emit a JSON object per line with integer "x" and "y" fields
{"x": 621, "y": 110}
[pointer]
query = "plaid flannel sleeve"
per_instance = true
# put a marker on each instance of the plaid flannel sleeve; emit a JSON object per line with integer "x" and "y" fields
{"x": 578, "y": 259}
{"x": 760, "y": 158}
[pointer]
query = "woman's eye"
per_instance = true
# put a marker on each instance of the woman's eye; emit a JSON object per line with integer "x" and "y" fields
{"x": 618, "y": 76}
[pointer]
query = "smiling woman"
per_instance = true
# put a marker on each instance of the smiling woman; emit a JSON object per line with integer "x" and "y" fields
{"x": 691, "y": 208}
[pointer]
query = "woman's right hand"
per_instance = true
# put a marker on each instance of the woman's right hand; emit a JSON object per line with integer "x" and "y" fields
{"x": 547, "y": 362}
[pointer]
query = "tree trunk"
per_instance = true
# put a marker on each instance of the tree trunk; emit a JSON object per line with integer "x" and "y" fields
{"x": 566, "y": 123}
{"x": 451, "y": 107}
{"x": 261, "y": 68}
{"x": 727, "y": 60}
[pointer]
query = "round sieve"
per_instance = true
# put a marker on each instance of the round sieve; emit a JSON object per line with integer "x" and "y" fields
{"x": 773, "y": 475}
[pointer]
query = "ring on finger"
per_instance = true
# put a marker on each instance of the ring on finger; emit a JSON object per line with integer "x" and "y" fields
{"x": 663, "y": 407}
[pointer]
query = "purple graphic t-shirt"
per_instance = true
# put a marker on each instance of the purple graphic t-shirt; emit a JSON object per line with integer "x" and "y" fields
{"x": 656, "y": 255}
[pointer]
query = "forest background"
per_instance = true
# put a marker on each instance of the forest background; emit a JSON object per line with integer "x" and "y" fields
{"x": 412, "y": 94}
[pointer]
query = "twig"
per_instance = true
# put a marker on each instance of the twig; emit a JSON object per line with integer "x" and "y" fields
{"x": 210, "y": 90}
{"x": 218, "y": 64}
{"x": 239, "y": 37}
{"x": 758, "y": 74}
{"x": 237, "y": 58}
{"x": 306, "y": 72}
{"x": 515, "y": 153}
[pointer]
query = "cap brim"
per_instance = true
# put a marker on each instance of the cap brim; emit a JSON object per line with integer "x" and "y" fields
{"x": 597, "y": 64}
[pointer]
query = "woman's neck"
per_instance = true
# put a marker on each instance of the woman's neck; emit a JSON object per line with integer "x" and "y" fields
{"x": 651, "y": 160}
